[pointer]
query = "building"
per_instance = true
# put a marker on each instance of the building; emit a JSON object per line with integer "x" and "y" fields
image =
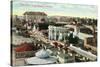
{"x": 15, "y": 20}
{"x": 57, "y": 33}
{"x": 36, "y": 17}
{"x": 85, "y": 35}
{"x": 88, "y": 41}
{"x": 64, "y": 57}
{"x": 61, "y": 18}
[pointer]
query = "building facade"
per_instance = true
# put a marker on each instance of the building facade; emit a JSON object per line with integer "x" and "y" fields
{"x": 36, "y": 17}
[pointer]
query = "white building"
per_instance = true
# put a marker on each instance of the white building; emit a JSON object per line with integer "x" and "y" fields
{"x": 57, "y": 33}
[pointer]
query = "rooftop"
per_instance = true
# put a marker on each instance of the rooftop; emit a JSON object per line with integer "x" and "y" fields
{"x": 35, "y": 13}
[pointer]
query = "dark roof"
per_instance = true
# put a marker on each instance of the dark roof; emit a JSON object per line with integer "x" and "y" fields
{"x": 26, "y": 47}
{"x": 35, "y": 13}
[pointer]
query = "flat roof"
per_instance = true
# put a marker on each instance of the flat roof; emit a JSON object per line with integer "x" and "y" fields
{"x": 83, "y": 53}
{"x": 83, "y": 35}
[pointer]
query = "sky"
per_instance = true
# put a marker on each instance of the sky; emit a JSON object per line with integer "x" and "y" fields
{"x": 55, "y": 9}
